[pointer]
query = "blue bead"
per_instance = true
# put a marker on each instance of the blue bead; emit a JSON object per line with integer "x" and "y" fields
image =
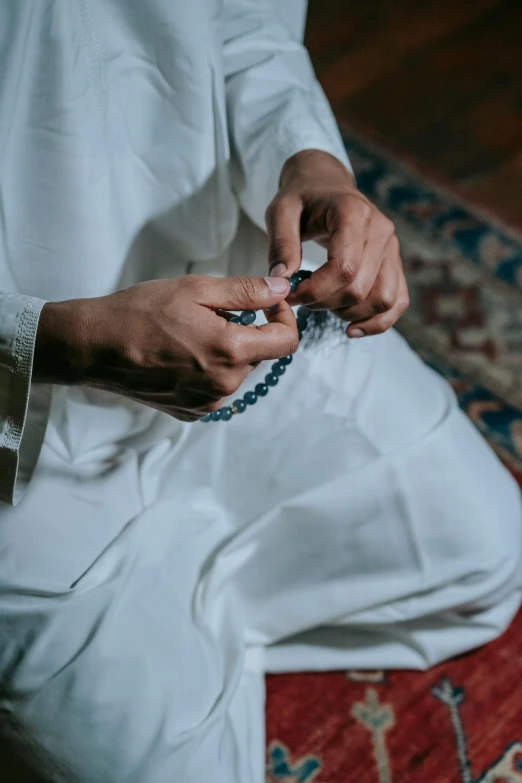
{"x": 261, "y": 389}
{"x": 278, "y": 368}
{"x": 239, "y": 405}
{"x": 304, "y": 313}
{"x": 217, "y": 415}
{"x": 226, "y": 413}
{"x": 247, "y": 317}
{"x": 250, "y": 398}
{"x": 206, "y": 418}
{"x": 271, "y": 379}
{"x": 294, "y": 282}
{"x": 303, "y": 274}
{"x": 236, "y": 320}
{"x": 286, "y": 360}
{"x": 301, "y": 325}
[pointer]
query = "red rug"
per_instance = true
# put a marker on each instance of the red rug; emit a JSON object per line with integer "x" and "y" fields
{"x": 458, "y": 723}
{"x": 462, "y": 721}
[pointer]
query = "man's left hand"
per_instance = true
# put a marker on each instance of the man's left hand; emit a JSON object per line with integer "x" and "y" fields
{"x": 363, "y": 280}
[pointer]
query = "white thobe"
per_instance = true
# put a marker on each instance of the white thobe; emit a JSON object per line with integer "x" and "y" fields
{"x": 153, "y": 571}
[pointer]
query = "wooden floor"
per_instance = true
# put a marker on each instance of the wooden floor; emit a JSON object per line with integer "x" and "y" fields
{"x": 438, "y": 81}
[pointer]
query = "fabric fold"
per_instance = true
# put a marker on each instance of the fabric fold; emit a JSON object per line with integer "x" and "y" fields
{"x": 275, "y": 105}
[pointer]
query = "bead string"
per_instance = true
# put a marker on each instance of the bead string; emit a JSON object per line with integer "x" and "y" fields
{"x": 278, "y": 368}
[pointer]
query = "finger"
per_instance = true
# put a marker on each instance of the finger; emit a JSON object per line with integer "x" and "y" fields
{"x": 282, "y": 313}
{"x": 375, "y": 270}
{"x": 175, "y": 411}
{"x": 189, "y": 417}
{"x": 358, "y": 291}
{"x": 224, "y": 314}
{"x": 360, "y": 239}
{"x": 375, "y": 325}
{"x": 381, "y": 298}
{"x": 323, "y": 290}
{"x": 383, "y": 321}
{"x": 240, "y": 293}
{"x": 277, "y": 338}
{"x": 346, "y": 223}
{"x": 283, "y": 222}
{"x": 185, "y": 410}
{"x": 188, "y": 399}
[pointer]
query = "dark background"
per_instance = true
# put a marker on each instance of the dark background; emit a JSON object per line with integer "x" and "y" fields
{"x": 438, "y": 82}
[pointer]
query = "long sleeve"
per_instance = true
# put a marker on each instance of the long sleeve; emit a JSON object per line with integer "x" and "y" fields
{"x": 24, "y": 407}
{"x": 275, "y": 105}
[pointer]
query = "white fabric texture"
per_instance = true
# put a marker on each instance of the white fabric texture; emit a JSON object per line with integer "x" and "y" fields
{"x": 117, "y": 121}
{"x": 154, "y": 571}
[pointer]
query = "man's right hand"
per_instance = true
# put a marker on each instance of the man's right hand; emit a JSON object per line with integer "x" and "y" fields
{"x": 162, "y": 342}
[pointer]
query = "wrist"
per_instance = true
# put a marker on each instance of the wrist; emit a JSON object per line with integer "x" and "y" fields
{"x": 61, "y": 353}
{"x": 317, "y": 161}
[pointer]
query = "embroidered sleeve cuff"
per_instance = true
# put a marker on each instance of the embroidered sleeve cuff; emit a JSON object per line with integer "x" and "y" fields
{"x": 24, "y": 409}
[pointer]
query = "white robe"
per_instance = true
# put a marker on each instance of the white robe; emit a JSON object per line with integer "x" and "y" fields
{"x": 154, "y": 571}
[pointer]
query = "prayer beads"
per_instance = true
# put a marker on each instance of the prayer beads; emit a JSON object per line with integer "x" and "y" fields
{"x": 246, "y": 318}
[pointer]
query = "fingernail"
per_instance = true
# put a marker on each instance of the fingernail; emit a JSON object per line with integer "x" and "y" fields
{"x": 278, "y": 284}
{"x": 278, "y": 270}
{"x": 357, "y": 333}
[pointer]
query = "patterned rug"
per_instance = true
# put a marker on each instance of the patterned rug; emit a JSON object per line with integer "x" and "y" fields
{"x": 462, "y": 721}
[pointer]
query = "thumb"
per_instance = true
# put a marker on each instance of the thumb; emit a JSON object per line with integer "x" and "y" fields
{"x": 283, "y": 222}
{"x": 246, "y": 293}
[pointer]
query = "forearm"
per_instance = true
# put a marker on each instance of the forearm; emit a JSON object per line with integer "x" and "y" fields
{"x": 60, "y": 354}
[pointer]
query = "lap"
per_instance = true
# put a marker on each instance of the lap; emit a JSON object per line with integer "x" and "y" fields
{"x": 357, "y": 469}
{"x": 356, "y": 494}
